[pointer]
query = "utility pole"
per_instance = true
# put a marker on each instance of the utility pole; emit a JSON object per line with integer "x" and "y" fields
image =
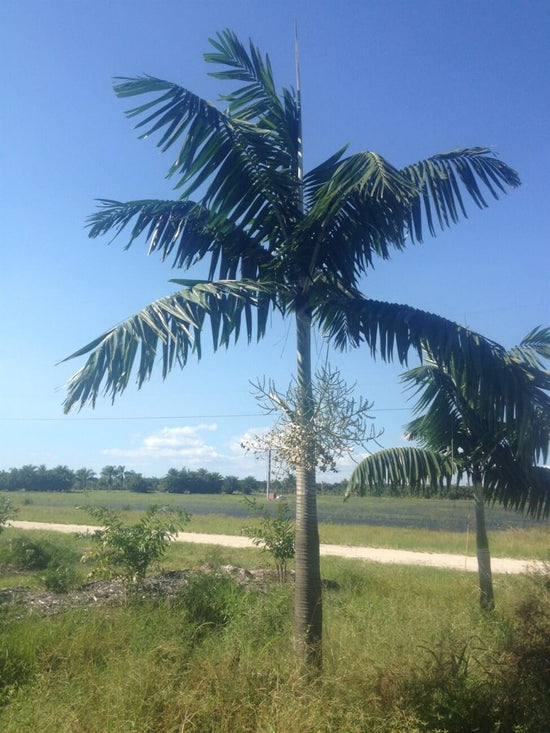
{"x": 268, "y": 482}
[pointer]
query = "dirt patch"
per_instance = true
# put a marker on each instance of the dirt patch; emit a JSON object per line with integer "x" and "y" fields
{"x": 167, "y": 584}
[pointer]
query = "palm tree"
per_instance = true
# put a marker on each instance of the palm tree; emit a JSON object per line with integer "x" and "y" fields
{"x": 108, "y": 476}
{"x": 499, "y": 453}
{"x": 84, "y": 477}
{"x": 276, "y": 239}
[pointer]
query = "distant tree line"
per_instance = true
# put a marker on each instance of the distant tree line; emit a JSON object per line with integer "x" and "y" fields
{"x": 187, "y": 481}
{"x": 176, "y": 481}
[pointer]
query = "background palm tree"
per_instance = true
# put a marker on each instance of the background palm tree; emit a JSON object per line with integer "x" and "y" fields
{"x": 276, "y": 238}
{"x": 84, "y": 478}
{"x": 499, "y": 453}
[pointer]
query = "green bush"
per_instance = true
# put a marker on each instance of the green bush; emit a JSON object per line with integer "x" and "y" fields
{"x": 60, "y": 578}
{"x": 498, "y": 687}
{"x": 7, "y": 511}
{"x": 274, "y": 533}
{"x": 25, "y": 554}
{"x": 127, "y": 551}
{"x": 449, "y": 692}
{"x": 522, "y": 669}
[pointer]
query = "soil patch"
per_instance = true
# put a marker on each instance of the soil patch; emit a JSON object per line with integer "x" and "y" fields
{"x": 167, "y": 584}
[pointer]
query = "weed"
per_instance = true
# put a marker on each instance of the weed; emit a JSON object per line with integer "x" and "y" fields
{"x": 274, "y": 533}
{"x": 212, "y": 599}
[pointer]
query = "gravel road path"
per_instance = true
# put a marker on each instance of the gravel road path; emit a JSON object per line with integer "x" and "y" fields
{"x": 374, "y": 554}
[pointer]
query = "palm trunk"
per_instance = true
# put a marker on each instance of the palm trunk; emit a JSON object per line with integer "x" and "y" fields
{"x": 486, "y": 595}
{"x": 308, "y": 602}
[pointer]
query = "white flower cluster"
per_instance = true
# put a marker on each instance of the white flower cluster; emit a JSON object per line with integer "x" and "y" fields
{"x": 312, "y": 432}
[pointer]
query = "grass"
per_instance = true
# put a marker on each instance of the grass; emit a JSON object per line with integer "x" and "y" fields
{"x": 406, "y": 651}
{"x": 429, "y": 525}
{"x": 440, "y": 514}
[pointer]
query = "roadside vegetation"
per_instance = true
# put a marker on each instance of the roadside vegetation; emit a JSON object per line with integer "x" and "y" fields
{"x": 219, "y": 657}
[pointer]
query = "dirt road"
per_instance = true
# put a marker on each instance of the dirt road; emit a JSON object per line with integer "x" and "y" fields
{"x": 374, "y": 554}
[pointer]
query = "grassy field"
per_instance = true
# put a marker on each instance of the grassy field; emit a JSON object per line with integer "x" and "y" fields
{"x": 430, "y": 525}
{"x": 406, "y": 651}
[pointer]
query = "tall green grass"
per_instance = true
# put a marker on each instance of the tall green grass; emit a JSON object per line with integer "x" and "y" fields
{"x": 406, "y": 651}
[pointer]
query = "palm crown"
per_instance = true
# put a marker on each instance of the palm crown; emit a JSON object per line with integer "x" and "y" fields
{"x": 502, "y": 451}
{"x": 275, "y": 237}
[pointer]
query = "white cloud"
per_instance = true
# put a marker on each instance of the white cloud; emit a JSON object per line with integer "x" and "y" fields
{"x": 197, "y": 446}
{"x": 184, "y": 445}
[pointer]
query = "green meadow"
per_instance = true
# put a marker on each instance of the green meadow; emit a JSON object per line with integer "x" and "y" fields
{"x": 430, "y": 525}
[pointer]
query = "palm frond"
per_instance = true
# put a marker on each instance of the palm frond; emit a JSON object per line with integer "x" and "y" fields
{"x": 257, "y": 100}
{"x": 244, "y": 156}
{"x": 417, "y": 468}
{"x": 504, "y": 388}
{"x": 443, "y": 181}
{"x": 503, "y": 448}
{"x": 534, "y": 352}
{"x": 525, "y": 489}
{"x": 352, "y": 216}
{"x": 168, "y": 330}
{"x": 185, "y": 231}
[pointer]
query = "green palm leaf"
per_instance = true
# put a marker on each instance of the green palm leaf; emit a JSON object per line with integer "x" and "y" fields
{"x": 501, "y": 448}
{"x": 503, "y": 388}
{"x": 416, "y": 468}
{"x": 169, "y": 331}
{"x": 443, "y": 180}
{"x": 258, "y": 100}
{"x": 243, "y": 155}
{"x": 185, "y": 231}
{"x": 533, "y": 350}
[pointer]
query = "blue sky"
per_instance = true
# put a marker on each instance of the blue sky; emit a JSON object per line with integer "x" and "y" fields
{"x": 406, "y": 78}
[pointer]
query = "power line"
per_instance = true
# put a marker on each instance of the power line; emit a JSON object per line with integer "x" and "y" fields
{"x": 164, "y": 417}
{"x": 135, "y": 417}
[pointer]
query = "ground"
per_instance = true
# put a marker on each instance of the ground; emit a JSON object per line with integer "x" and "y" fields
{"x": 165, "y": 584}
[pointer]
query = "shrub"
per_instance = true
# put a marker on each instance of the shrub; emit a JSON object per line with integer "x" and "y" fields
{"x": 450, "y": 692}
{"x": 25, "y": 554}
{"x": 498, "y": 685}
{"x": 7, "y": 511}
{"x": 275, "y": 534}
{"x": 60, "y": 578}
{"x": 127, "y": 551}
{"x": 522, "y": 679}
{"x": 57, "y": 560}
